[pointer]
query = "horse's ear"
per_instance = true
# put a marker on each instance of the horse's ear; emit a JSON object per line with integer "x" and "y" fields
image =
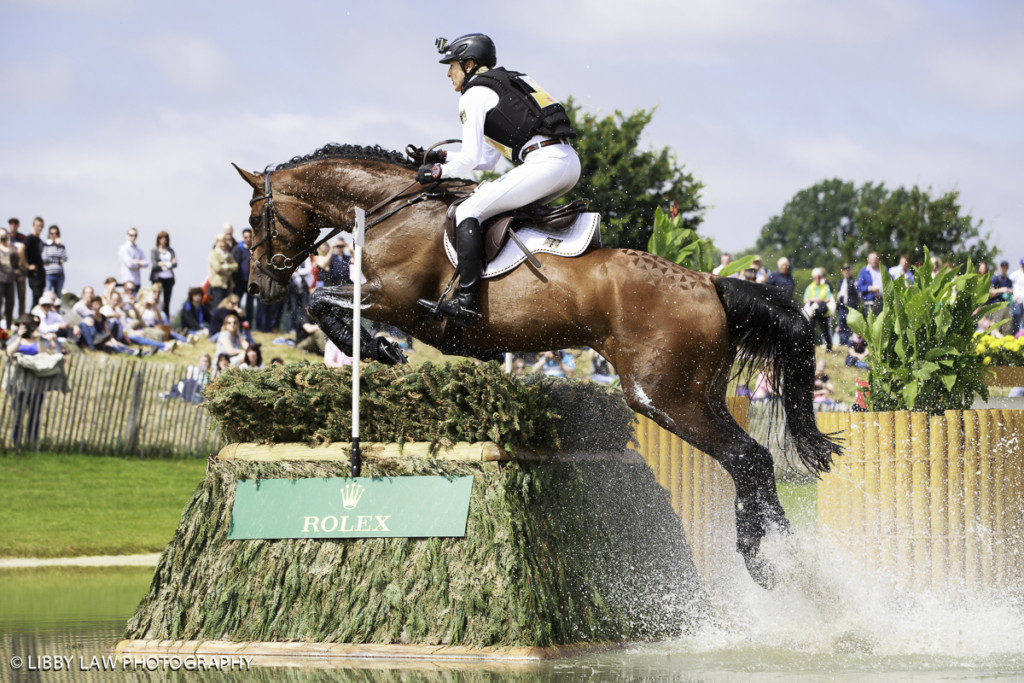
{"x": 254, "y": 179}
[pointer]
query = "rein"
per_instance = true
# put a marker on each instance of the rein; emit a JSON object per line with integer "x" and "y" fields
{"x": 279, "y": 263}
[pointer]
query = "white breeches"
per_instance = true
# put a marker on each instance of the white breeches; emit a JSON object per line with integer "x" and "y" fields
{"x": 545, "y": 175}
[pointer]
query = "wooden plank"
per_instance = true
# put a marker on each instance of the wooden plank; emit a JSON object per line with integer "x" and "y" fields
{"x": 483, "y": 451}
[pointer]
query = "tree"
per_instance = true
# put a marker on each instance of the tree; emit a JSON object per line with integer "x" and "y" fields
{"x": 834, "y": 222}
{"x": 818, "y": 222}
{"x": 908, "y": 221}
{"x": 627, "y": 184}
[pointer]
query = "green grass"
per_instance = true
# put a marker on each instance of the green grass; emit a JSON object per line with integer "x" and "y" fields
{"x": 61, "y": 505}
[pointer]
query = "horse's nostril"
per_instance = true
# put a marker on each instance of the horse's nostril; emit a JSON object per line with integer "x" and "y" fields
{"x": 254, "y": 288}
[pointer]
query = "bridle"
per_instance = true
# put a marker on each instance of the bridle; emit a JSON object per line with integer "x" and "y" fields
{"x": 279, "y": 265}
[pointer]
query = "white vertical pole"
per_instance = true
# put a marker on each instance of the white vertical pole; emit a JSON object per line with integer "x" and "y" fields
{"x": 357, "y": 333}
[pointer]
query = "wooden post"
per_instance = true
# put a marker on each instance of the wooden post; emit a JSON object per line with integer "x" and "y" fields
{"x": 904, "y": 511}
{"x": 955, "y": 489}
{"x": 938, "y": 499}
{"x": 985, "y": 497}
{"x": 886, "y": 520}
{"x": 919, "y": 498}
{"x": 972, "y": 553}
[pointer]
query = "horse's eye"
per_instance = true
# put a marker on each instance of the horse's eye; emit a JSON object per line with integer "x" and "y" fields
{"x": 254, "y": 221}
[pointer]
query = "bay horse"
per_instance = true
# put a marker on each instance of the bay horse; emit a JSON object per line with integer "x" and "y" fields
{"x": 672, "y": 334}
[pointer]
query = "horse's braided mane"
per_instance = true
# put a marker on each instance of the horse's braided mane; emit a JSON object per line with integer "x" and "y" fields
{"x": 334, "y": 150}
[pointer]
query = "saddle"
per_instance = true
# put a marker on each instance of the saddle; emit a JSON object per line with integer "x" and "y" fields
{"x": 499, "y": 229}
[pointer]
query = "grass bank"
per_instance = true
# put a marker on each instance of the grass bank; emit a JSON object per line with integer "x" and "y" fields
{"x": 63, "y": 505}
{"x": 58, "y": 505}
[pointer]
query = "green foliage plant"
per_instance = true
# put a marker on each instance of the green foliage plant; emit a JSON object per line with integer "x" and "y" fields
{"x": 673, "y": 239}
{"x": 921, "y": 346}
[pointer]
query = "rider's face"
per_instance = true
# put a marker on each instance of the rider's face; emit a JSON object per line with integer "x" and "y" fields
{"x": 457, "y": 75}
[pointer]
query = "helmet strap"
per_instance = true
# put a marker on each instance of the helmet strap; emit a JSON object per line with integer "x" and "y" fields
{"x": 469, "y": 74}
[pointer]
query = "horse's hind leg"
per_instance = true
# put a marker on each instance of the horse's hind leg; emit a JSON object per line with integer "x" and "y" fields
{"x": 702, "y": 420}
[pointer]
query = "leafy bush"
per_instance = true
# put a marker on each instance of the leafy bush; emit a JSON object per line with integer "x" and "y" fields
{"x": 922, "y": 349}
{"x": 441, "y": 404}
{"x": 1004, "y": 351}
{"x": 680, "y": 244}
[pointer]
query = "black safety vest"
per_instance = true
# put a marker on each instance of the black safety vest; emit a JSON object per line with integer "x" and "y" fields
{"x": 523, "y": 110}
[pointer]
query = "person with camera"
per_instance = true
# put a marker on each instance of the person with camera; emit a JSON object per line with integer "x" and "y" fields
{"x": 817, "y": 302}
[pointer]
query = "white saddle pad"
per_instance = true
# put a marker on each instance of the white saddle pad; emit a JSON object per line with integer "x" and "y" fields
{"x": 572, "y": 241}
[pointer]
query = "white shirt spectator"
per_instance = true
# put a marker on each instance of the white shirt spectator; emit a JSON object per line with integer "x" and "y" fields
{"x": 130, "y": 256}
{"x": 896, "y": 272}
{"x": 876, "y": 277}
{"x": 49, "y": 319}
{"x": 1017, "y": 278}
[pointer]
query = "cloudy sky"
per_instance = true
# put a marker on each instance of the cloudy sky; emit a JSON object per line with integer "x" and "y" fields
{"x": 119, "y": 113}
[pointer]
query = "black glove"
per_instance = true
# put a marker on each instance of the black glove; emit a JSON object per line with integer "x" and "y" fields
{"x": 428, "y": 173}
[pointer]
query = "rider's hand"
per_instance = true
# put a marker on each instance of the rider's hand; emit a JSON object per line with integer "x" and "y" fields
{"x": 436, "y": 156}
{"x": 428, "y": 173}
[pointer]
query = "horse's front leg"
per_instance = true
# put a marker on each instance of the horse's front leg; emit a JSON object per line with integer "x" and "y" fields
{"x": 331, "y": 308}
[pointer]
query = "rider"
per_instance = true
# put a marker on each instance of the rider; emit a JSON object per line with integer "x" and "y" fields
{"x": 516, "y": 119}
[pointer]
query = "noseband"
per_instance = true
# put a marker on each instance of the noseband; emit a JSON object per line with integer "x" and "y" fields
{"x": 279, "y": 265}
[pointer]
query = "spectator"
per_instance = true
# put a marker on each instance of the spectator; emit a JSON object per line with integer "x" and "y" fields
{"x": 20, "y": 267}
{"x": 229, "y": 306}
{"x": 299, "y": 287}
{"x": 724, "y": 260}
{"x": 782, "y": 278}
{"x": 601, "y": 371}
{"x": 8, "y": 266}
{"x": 763, "y": 387}
{"x": 132, "y": 259}
{"x": 83, "y": 306}
{"x": 27, "y": 339}
{"x": 1017, "y": 278}
{"x": 223, "y": 363}
{"x": 817, "y": 301}
{"x": 243, "y": 257}
{"x": 95, "y": 329}
{"x": 936, "y": 265}
{"x": 846, "y": 298}
{"x": 153, "y": 317}
{"x": 857, "y": 352}
{"x": 55, "y": 255}
{"x": 222, "y": 267}
{"x": 869, "y": 285}
{"x": 253, "y": 358}
{"x": 51, "y": 323}
{"x": 190, "y": 388}
{"x": 902, "y": 269}
{"x": 519, "y": 367}
{"x": 760, "y": 274}
{"x": 1001, "y": 286}
{"x": 329, "y": 269}
{"x": 277, "y": 360}
{"x": 335, "y": 357}
{"x": 555, "y": 364}
{"x": 750, "y": 275}
{"x": 36, "y": 271}
{"x": 229, "y": 236}
{"x": 129, "y": 291}
{"x": 109, "y": 285}
{"x": 164, "y": 262}
{"x": 983, "y": 269}
{"x": 195, "y": 317}
{"x": 26, "y": 400}
{"x": 823, "y": 389}
{"x": 230, "y": 340}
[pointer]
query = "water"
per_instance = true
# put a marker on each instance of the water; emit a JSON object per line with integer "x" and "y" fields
{"x": 824, "y": 621}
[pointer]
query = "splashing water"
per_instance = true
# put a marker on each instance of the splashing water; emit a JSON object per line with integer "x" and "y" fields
{"x": 827, "y": 615}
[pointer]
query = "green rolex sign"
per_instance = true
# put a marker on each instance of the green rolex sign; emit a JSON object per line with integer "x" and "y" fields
{"x": 343, "y": 507}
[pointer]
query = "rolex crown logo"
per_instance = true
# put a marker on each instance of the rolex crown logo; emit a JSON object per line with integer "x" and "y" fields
{"x": 350, "y": 495}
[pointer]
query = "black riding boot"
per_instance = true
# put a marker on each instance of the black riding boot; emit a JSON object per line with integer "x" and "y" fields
{"x": 464, "y": 307}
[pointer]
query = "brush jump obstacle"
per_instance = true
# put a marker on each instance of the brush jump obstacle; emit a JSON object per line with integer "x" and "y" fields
{"x": 565, "y": 541}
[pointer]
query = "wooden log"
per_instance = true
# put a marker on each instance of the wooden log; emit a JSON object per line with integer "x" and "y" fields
{"x": 972, "y": 471}
{"x": 920, "y": 500}
{"x": 675, "y": 472}
{"x": 985, "y": 497}
{"x": 484, "y": 451}
{"x": 955, "y": 493}
{"x": 938, "y": 500}
{"x": 886, "y": 518}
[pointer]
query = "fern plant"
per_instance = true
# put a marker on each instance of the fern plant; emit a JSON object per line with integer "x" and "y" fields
{"x": 682, "y": 245}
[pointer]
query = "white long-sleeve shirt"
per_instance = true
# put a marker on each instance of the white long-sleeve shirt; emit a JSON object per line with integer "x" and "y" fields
{"x": 1017, "y": 277}
{"x": 478, "y": 153}
{"x": 129, "y": 255}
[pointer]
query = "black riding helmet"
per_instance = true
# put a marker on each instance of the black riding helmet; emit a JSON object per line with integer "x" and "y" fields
{"x": 475, "y": 46}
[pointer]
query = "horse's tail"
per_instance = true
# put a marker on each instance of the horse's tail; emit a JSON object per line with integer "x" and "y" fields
{"x": 771, "y": 334}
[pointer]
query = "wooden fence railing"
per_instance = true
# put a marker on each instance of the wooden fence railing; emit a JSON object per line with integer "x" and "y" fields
{"x": 111, "y": 406}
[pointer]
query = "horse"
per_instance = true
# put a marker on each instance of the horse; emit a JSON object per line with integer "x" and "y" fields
{"x": 672, "y": 334}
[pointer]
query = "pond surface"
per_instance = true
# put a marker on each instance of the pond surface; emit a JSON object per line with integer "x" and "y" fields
{"x": 820, "y": 624}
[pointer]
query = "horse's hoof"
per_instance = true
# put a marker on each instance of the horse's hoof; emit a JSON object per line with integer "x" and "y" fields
{"x": 760, "y": 570}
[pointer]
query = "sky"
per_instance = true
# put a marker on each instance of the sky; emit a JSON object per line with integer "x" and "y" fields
{"x": 119, "y": 113}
